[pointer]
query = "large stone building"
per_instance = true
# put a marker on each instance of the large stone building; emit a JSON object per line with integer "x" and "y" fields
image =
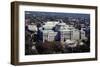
{"x": 53, "y": 30}
{"x": 47, "y": 31}
{"x": 65, "y": 31}
{"x": 49, "y": 35}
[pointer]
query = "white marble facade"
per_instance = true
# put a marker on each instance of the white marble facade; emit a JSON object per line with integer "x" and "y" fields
{"x": 66, "y": 31}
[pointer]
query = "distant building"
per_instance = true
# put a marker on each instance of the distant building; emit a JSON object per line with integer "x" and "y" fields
{"x": 32, "y": 27}
{"x": 83, "y": 34}
{"x": 75, "y": 34}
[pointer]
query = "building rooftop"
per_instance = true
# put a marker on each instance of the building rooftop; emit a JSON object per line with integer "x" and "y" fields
{"x": 50, "y": 24}
{"x": 32, "y": 27}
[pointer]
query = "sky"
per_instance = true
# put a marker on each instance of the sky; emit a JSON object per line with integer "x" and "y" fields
{"x": 75, "y": 15}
